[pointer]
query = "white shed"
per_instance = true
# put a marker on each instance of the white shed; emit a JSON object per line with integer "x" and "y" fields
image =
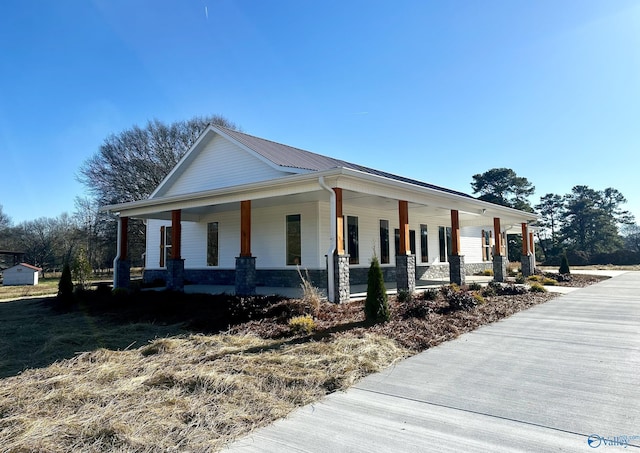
{"x": 21, "y": 274}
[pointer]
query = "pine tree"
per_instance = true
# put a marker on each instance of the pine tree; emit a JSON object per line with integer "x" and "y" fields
{"x": 376, "y": 307}
{"x": 65, "y": 285}
{"x": 564, "y": 264}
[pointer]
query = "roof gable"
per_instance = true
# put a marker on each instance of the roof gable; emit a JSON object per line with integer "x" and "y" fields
{"x": 24, "y": 265}
{"x": 199, "y": 170}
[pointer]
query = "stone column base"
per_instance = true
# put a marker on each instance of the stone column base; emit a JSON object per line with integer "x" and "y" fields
{"x": 456, "y": 269}
{"x": 123, "y": 274}
{"x": 245, "y": 275}
{"x": 499, "y": 268}
{"x": 528, "y": 265}
{"x": 175, "y": 274}
{"x": 342, "y": 287}
{"x": 406, "y": 273}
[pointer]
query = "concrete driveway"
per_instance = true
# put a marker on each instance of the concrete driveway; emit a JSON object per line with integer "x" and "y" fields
{"x": 562, "y": 376}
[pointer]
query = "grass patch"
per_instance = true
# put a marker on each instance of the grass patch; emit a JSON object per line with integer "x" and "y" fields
{"x": 151, "y": 371}
{"x": 190, "y": 393}
{"x": 44, "y": 287}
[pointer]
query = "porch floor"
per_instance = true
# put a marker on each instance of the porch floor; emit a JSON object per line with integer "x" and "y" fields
{"x": 357, "y": 291}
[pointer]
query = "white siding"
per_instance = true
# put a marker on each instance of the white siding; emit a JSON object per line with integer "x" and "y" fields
{"x": 221, "y": 164}
{"x": 152, "y": 256}
{"x": 471, "y": 244}
{"x": 268, "y": 237}
{"x": 19, "y": 275}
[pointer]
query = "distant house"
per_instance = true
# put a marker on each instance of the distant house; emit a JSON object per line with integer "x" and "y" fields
{"x": 245, "y": 211}
{"x": 21, "y": 274}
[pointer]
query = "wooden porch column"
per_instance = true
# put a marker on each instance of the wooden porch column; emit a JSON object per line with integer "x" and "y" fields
{"x": 499, "y": 260}
{"x": 176, "y": 234}
{"x": 339, "y": 222}
{"x": 121, "y": 264}
{"x": 245, "y": 228}
{"x": 525, "y": 239}
{"x": 403, "y": 211}
{"x": 457, "y": 271}
{"x": 531, "y": 244}
{"x": 455, "y": 233}
{"x": 498, "y": 237}
{"x": 405, "y": 261}
{"x": 124, "y": 238}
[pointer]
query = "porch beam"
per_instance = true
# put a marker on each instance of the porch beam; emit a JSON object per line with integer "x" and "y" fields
{"x": 455, "y": 232}
{"x": 403, "y": 213}
{"x": 176, "y": 234}
{"x": 245, "y": 228}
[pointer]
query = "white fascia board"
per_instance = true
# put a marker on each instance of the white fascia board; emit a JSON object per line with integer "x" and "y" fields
{"x": 287, "y": 185}
{"x": 348, "y": 179}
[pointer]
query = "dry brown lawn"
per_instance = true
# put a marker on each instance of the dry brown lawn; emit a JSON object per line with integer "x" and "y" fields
{"x": 185, "y": 391}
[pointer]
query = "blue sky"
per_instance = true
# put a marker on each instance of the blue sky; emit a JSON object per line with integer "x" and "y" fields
{"x": 434, "y": 90}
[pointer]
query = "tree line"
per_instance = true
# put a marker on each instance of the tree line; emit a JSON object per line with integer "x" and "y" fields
{"x": 590, "y": 225}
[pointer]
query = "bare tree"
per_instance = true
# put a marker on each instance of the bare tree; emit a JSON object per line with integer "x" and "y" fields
{"x": 130, "y": 165}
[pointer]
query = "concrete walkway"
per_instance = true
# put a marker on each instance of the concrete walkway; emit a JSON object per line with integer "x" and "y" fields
{"x": 545, "y": 379}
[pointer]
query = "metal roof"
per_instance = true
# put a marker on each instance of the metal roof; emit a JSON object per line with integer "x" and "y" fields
{"x": 288, "y": 156}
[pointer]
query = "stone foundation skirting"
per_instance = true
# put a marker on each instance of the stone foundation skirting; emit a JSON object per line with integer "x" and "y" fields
{"x": 289, "y": 278}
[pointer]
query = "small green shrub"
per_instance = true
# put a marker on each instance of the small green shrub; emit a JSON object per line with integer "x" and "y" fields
{"x": 535, "y": 278}
{"x": 487, "y": 273}
{"x": 479, "y": 299}
{"x": 564, "y": 264}
{"x": 446, "y": 289}
{"x": 302, "y": 325}
{"x": 404, "y": 295}
{"x": 65, "y": 286}
{"x": 458, "y": 299}
{"x": 416, "y": 308}
{"x": 537, "y": 288}
{"x": 82, "y": 270}
{"x": 376, "y": 306}
{"x": 489, "y": 290}
{"x": 549, "y": 281}
{"x": 120, "y": 292}
{"x": 520, "y": 279}
{"x": 430, "y": 294}
{"x": 563, "y": 277}
{"x": 512, "y": 290}
{"x": 475, "y": 286}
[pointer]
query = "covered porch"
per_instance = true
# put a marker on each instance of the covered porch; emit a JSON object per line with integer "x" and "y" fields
{"x": 336, "y": 260}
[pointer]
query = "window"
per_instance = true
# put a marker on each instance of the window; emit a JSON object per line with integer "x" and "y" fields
{"x": 412, "y": 241}
{"x": 165, "y": 245}
{"x": 486, "y": 245}
{"x": 352, "y": 240}
{"x": 294, "y": 240}
{"x": 384, "y": 242}
{"x": 424, "y": 244}
{"x": 212, "y": 244}
{"x": 444, "y": 240}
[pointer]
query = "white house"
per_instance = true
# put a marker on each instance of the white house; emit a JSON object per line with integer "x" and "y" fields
{"x": 21, "y": 274}
{"x": 239, "y": 209}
